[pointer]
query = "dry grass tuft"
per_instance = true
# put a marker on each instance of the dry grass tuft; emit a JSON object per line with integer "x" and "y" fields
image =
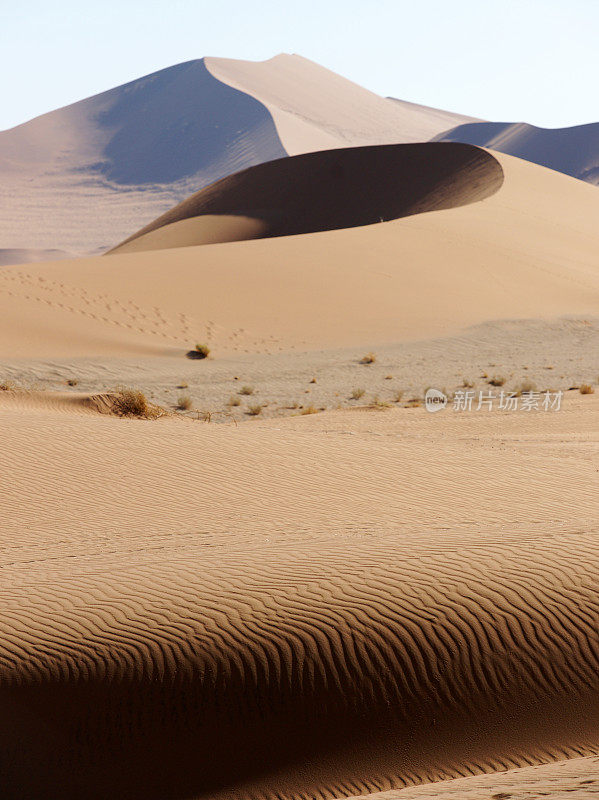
{"x": 72, "y": 382}
{"x": 357, "y": 394}
{"x": 524, "y": 387}
{"x": 234, "y": 401}
{"x": 398, "y": 395}
{"x": 369, "y": 358}
{"x": 586, "y": 388}
{"x": 203, "y": 350}
{"x": 133, "y": 403}
{"x": 184, "y": 402}
{"x": 309, "y": 410}
{"x": 467, "y": 384}
{"x": 378, "y": 403}
{"x": 182, "y": 385}
{"x": 246, "y": 390}
{"x": 496, "y": 380}
{"x": 254, "y": 410}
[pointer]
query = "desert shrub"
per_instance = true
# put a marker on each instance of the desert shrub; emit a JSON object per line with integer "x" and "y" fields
{"x": 184, "y": 402}
{"x": 357, "y": 394}
{"x": 246, "y": 390}
{"x": 254, "y": 410}
{"x": 586, "y": 388}
{"x": 378, "y": 403}
{"x": 369, "y": 358}
{"x": 133, "y": 403}
{"x": 309, "y": 410}
{"x": 524, "y": 387}
{"x": 496, "y": 380}
{"x": 234, "y": 401}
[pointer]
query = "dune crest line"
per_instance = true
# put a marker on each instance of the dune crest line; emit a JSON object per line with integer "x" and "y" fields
{"x": 327, "y": 190}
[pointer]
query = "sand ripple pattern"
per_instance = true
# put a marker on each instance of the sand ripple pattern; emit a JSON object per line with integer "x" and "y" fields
{"x": 378, "y": 666}
{"x": 248, "y": 663}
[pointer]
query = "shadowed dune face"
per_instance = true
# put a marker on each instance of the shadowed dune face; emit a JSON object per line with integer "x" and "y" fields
{"x": 232, "y": 126}
{"x": 573, "y": 151}
{"x": 329, "y": 190}
{"x": 302, "y": 672}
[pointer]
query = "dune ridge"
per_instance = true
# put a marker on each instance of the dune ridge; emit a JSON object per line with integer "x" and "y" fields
{"x": 313, "y": 108}
{"x": 332, "y": 189}
{"x": 573, "y": 151}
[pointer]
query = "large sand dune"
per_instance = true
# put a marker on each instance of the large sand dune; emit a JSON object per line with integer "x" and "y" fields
{"x": 85, "y": 176}
{"x": 574, "y": 151}
{"x": 316, "y": 109}
{"x": 528, "y": 251}
{"x": 285, "y": 610}
{"x": 324, "y": 191}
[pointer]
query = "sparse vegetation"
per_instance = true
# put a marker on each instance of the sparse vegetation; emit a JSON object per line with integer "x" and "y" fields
{"x": 72, "y": 382}
{"x": 586, "y": 388}
{"x": 313, "y": 380}
{"x": 369, "y": 358}
{"x": 467, "y": 384}
{"x": 309, "y": 410}
{"x": 357, "y": 394}
{"x": 133, "y": 403}
{"x": 524, "y": 387}
{"x": 254, "y": 410}
{"x": 378, "y": 403}
{"x": 184, "y": 402}
{"x": 234, "y": 401}
{"x": 6, "y": 386}
{"x": 398, "y": 395}
{"x": 182, "y": 385}
{"x": 246, "y": 390}
{"x": 202, "y": 350}
{"x": 496, "y": 380}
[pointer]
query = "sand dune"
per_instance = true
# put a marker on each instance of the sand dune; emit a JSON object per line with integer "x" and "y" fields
{"x": 444, "y": 120}
{"x": 81, "y": 177}
{"x": 527, "y": 251}
{"x": 574, "y": 151}
{"x": 85, "y": 176}
{"x": 316, "y": 109}
{"x": 171, "y": 629}
{"x": 332, "y": 189}
{"x": 573, "y": 779}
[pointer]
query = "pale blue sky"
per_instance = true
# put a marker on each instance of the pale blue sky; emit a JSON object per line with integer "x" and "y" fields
{"x": 532, "y": 60}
